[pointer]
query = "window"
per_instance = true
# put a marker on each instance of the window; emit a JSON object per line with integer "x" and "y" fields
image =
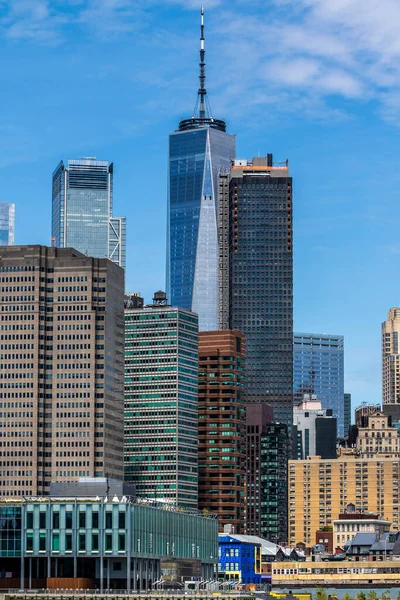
{"x": 56, "y": 542}
{"x": 121, "y": 520}
{"x": 68, "y": 520}
{"x": 95, "y": 520}
{"x": 108, "y": 520}
{"x": 29, "y": 542}
{"x": 68, "y": 542}
{"x": 82, "y": 542}
{"x": 121, "y": 541}
{"x": 95, "y": 542}
{"x": 29, "y": 520}
{"x": 42, "y": 542}
{"x": 42, "y": 520}
{"x": 56, "y": 520}
{"x": 108, "y": 547}
{"x": 82, "y": 520}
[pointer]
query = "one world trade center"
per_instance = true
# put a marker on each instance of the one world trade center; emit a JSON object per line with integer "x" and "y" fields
{"x": 198, "y": 151}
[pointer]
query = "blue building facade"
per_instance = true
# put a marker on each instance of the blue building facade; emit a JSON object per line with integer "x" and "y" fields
{"x": 82, "y": 216}
{"x": 196, "y": 155}
{"x": 7, "y": 223}
{"x": 239, "y": 561}
{"x": 318, "y": 368}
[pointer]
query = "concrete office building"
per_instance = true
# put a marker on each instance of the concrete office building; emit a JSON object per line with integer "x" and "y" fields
{"x": 161, "y": 402}
{"x": 256, "y": 276}
{"x": 320, "y": 490}
{"x": 222, "y": 426}
{"x": 61, "y": 368}
{"x": 315, "y": 428}
{"x": 266, "y": 485}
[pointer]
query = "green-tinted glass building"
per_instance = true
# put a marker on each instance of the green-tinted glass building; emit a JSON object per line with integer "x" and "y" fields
{"x": 161, "y": 403}
{"x": 120, "y": 544}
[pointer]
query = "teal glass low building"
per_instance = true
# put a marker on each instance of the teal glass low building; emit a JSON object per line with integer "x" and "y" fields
{"x": 111, "y": 543}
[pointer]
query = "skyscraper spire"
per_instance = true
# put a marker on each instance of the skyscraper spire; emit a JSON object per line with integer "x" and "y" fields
{"x": 202, "y": 93}
{"x": 202, "y": 115}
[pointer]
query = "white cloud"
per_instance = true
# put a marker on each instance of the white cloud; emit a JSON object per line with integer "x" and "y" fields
{"x": 310, "y": 52}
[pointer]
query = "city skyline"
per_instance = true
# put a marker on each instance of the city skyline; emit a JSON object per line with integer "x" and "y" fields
{"x": 335, "y": 122}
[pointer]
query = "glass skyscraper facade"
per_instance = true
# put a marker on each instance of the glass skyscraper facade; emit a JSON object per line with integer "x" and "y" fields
{"x": 82, "y": 210}
{"x": 7, "y": 222}
{"x": 198, "y": 151}
{"x": 161, "y": 404}
{"x": 318, "y": 368}
{"x": 257, "y": 276}
{"x": 196, "y": 155}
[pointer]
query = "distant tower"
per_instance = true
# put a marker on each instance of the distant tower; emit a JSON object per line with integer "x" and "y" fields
{"x": 83, "y": 210}
{"x": 391, "y": 358}
{"x": 7, "y": 223}
{"x": 198, "y": 150}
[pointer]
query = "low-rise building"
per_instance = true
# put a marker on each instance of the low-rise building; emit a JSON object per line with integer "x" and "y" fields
{"x": 103, "y": 542}
{"x": 239, "y": 559}
{"x": 351, "y": 522}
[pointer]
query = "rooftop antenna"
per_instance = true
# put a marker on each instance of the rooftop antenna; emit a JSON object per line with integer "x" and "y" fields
{"x": 202, "y": 114}
{"x": 202, "y": 77}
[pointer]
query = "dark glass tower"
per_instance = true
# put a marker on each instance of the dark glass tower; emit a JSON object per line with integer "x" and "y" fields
{"x": 198, "y": 151}
{"x": 257, "y": 276}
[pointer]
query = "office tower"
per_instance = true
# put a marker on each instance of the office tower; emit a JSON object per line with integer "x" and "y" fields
{"x": 82, "y": 215}
{"x": 198, "y": 151}
{"x": 7, "y": 223}
{"x": 319, "y": 369}
{"x": 347, "y": 413}
{"x": 222, "y": 426}
{"x": 257, "y": 280}
{"x": 161, "y": 402}
{"x": 316, "y": 429}
{"x": 267, "y": 491}
{"x": 61, "y": 368}
{"x": 391, "y": 358}
{"x": 320, "y": 490}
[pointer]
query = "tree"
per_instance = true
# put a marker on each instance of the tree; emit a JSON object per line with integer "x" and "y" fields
{"x": 348, "y": 597}
{"x": 372, "y": 595}
{"x": 361, "y": 596}
{"x": 386, "y": 595}
{"x": 321, "y": 594}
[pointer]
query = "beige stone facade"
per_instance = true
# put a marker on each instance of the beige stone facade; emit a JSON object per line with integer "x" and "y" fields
{"x": 320, "y": 490}
{"x": 61, "y": 368}
{"x": 391, "y": 358}
{"x": 377, "y": 438}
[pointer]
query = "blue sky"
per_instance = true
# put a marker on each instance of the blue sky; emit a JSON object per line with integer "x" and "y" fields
{"x": 315, "y": 81}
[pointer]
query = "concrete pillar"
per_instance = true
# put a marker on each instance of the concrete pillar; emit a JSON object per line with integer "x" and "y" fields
{"x": 128, "y": 547}
{"x": 30, "y": 573}
{"x": 22, "y": 567}
{"x": 108, "y": 573}
{"x": 134, "y": 575}
{"x": 101, "y": 574}
{"x": 56, "y": 567}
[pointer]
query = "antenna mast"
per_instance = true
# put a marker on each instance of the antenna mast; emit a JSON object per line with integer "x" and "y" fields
{"x": 202, "y": 90}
